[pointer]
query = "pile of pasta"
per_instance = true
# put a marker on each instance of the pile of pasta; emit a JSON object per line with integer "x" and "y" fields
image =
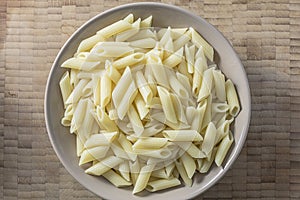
{"x": 148, "y": 106}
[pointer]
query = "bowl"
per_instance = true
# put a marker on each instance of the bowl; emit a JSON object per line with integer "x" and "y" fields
{"x": 163, "y": 16}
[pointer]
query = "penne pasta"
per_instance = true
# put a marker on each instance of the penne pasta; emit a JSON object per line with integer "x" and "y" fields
{"x": 162, "y": 184}
{"x": 232, "y": 99}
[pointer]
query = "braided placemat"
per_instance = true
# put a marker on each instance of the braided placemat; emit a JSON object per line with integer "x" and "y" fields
{"x": 265, "y": 34}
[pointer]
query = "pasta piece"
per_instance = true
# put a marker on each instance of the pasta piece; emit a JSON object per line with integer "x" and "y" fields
{"x": 66, "y": 120}
{"x": 111, "y": 72}
{"x": 129, "y": 18}
{"x": 78, "y": 116}
{"x": 223, "y": 149}
{"x": 80, "y": 64}
{"x": 191, "y": 149}
{"x": 199, "y": 67}
{"x": 146, "y": 43}
{"x": 96, "y": 90}
{"x": 85, "y": 130}
{"x": 143, "y": 87}
{"x": 174, "y": 59}
{"x": 153, "y": 129}
{"x": 129, "y": 33}
{"x": 146, "y": 23}
{"x": 135, "y": 121}
{"x": 232, "y": 99}
{"x": 164, "y": 39}
{"x": 161, "y": 118}
{"x": 134, "y": 171}
{"x": 161, "y": 173}
{"x": 206, "y": 85}
{"x": 124, "y": 93}
{"x": 182, "y": 40}
{"x": 162, "y": 184}
{"x": 199, "y": 112}
{"x": 169, "y": 169}
{"x": 182, "y": 68}
{"x": 114, "y": 29}
{"x": 88, "y": 43}
{"x": 141, "y": 106}
{"x": 128, "y": 60}
{"x": 143, "y": 178}
{"x": 182, "y": 135}
{"x": 124, "y": 170}
{"x": 180, "y": 115}
{"x": 119, "y": 151}
{"x": 65, "y": 87}
{"x": 150, "y": 143}
{"x": 219, "y": 82}
{"x": 209, "y": 138}
{"x": 190, "y": 57}
{"x": 100, "y": 139}
{"x": 127, "y": 146}
{"x": 103, "y": 120}
{"x": 167, "y": 104}
{"x": 183, "y": 174}
{"x": 112, "y": 49}
{"x": 206, "y": 164}
{"x": 105, "y": 90}
{"x": 104, "y": 165}
{"x": 163, "y": 153}
{"x": 200, "y": 42}
{"x": 177, "y": 87}
{"x": 188, "y": 164}
{"x": 116, "y": 179}
{"x": 207, "y": 115}
{"x": 77, "y": 92}
{"x": 154, "y": 62}
{"x": 142, "y": 34}
{"x": 91, "y": 154}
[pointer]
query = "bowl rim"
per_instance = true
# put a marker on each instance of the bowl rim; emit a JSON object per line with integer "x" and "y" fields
{"x": 243, "y": 138}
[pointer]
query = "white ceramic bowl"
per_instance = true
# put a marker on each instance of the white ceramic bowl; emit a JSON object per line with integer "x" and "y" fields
{"x": 163, "y": 16}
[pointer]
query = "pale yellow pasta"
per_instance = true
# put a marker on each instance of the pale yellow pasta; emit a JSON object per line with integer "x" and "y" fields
{"x": 143, "y": 178}
{"x": 180, "y": 114}
{"x": 146, "y": 22}
{"x": 88, "y": 43}
{"x": 167, "y": 104}
{"x": 160, "y": 173}
{"x": 183, "y": 174}
{"x": 198, "y": 116}
{"x": 80, "y": 64}
{"x": 103, "y": 120}
{"x": 127, "y": 146}
{"x": 112, "y": 49}
{"x": 206, "y": 164}
{"x": 124, "y": 93}
{"x": 207, "y": 115}
{"x": 219, "y": 82}
{"x": 100, "y": 139}
{"x": 199, "y": 67}
{"x": 116, "y": 179}
{"x": 155, "y": 63}
{"x": 128, "y": 60}
{"x": 177, "y": 87}
{"x": 199, "y": 41}
{"x": 111, "y": 72}
{"x": 77, "y": 92}
{"x": 135, "y": 120}
{"x": 174, "y": 59}
{"x": 65, "y": 86}
{"x": 129, "y": 33}
{"x": 182, "y": 135}
{"x": 143, "y": 87}
{"x": 232, "y": 98}
{"x": 163, "y": 153}
{"x": 182, "y": 40}
{"x": 143, "y": 43}
{"x": 162, "y": 184}
{"x": 96, "y": 92}
{"x": 207, "y": 84}
{"x": 142, "y": 34}
{"x": 150, "y": 143}
{"x": 124, "y": 170}
{"x": 79, "y": 146}
{"x": 141, "y": 106}
{"x": 114, "y": 28}
{"x": 91, "y": 154}
{"x": 78, "y": 115}
{"x": 190, "y": 57}
{"x": 105, "y": 90}
{"x": 66, "y": 120}
{"x": 104, "y": 165}
{"x": 129, "y": 18}
{"x": 223, "y": 148}
{"x": 209, "y": 138}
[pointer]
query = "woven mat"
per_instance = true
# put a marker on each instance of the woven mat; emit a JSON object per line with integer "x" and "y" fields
{"x": 265, "y": 34}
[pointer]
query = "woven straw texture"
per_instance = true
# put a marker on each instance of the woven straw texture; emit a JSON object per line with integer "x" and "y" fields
{"x": 265, "y": 34}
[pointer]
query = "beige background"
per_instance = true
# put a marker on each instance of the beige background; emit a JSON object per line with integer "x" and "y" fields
{"x": 265, "y": 34}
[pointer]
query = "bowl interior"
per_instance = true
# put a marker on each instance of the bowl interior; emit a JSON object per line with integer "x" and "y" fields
{"x": 163, "y": 16}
